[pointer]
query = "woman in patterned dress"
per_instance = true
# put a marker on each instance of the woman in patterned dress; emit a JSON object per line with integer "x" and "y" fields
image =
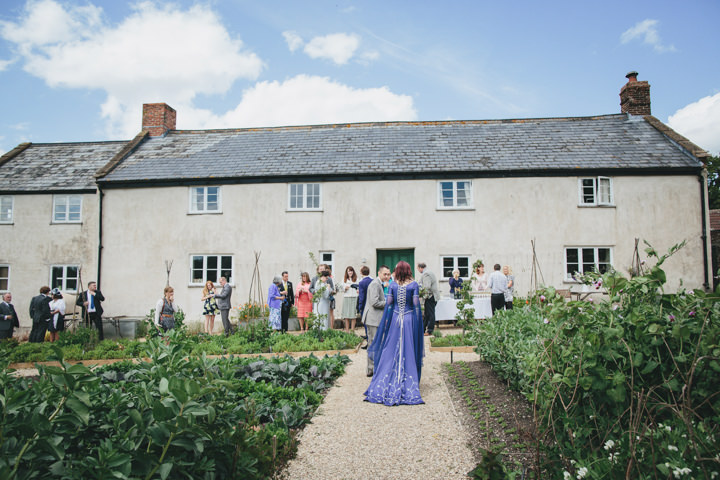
{"x": 303, "y": 300}
{"x": 274, "y": 301}
{"x": 210, "y": 308}
{"x": 397, "y": 350}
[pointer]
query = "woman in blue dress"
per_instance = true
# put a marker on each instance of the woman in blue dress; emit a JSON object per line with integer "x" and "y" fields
{"x": 397, "y": 350}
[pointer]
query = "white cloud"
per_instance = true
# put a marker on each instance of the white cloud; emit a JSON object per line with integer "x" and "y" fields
{"x": 158, "y": 53}
{"x": 700, "y": 123}
{"x": 4, "y": 64}
{"x": 293, "y": 40}
{"x": 647, "y": 31}
{"x": 307, "y": 100}
{"x": 338, "y": 47}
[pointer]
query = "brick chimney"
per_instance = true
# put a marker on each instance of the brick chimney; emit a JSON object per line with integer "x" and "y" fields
{"x": 158, "y": 118}
{"x": 635, "y": 96}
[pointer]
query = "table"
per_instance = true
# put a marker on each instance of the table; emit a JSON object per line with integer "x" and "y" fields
{"x": 447, "y": 307}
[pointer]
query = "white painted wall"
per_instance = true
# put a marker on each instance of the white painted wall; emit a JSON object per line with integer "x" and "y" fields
{"x": 144, "y": 227}
{"x": 32, "y": 244}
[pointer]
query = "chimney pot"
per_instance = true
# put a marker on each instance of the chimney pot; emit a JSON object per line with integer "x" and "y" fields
{"x": 158, "y": 118}
{"x": 632, "y": 76}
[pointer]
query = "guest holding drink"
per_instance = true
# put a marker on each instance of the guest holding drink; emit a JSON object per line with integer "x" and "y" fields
{"x": 350, "y": 299}
{"x": 479, "y": 278}
{"x": 210, "y": 308}
{"x": 455, "y": 284}
{"x": 303, "y": 300}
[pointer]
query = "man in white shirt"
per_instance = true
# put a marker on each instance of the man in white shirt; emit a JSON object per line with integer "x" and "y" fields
{"x": 498, "y": 284}
{"x": 91, "y": 302}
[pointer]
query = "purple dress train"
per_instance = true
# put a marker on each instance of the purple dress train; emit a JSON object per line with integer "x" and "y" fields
{"x": 397, "y": 350}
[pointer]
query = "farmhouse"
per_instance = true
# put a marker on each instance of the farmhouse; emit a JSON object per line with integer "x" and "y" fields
{"x": 445, "y": 193}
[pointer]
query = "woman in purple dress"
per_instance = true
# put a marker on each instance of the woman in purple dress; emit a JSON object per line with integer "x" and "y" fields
{"x": 397, "y": 350}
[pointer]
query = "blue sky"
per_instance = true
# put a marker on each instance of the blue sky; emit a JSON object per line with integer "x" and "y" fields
{"x": 80, "y": 70}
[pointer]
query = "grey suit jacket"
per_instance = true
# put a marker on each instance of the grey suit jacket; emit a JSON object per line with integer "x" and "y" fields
{"x": 223, "y": 298}
{"x": 428, "y": 280}
{"x": 374, "y": 304}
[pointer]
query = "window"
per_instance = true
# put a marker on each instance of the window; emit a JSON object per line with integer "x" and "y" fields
{"x": 455, "y": 194}
{"x": 4, "y": 278}
{"x": 329, "y": 259}
{"x": 6, "y": 209}
{"x": 304, "y": 196}
{"x": 64, "y": 277}
{"x": 595, "y": 191}
{"x": 205, "y": 200}
{"x": 67, "y": 208}
{"x": 210, "y": 267}
{"x": 587, "y": 259}
{"x": 460, "y": 262}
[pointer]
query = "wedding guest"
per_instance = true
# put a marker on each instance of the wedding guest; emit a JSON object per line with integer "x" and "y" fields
{"x": 8, "y": 317}
{"x": 498, "y": 286}
{"x": 334, "y": 288}
{"x": 288, "y": 302}
{"x": 350, "y": 299}
{"x": 210, "y": 308}
{"x": 322, "y": 307}
{"x": 91, "y": 302}
{"x": 224, "y": 304}
{"x": 274, "y": 301}
{"x": 479, "y": 279}
{"x": 455, "y": 284}
{"x": 507, "y": 271}
{"x": 397, "y": 350}
{"x": 40, "y": 314}
{"x": 428, "y": 282}
{"x": 303, "y": 300}
{"x": 57, "y": 312}
{"x": 362, "y": 297}
{"x": 165, "y": 309}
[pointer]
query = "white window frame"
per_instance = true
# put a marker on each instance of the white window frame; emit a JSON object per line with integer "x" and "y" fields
{"x": 455, "y": 206}
{"x": 194, "y": 208}
{"x": 305, "y": 197}
{"x": 64, "y": 278}
{"x": 456, "y": 266}
{"x": 596, "y": 263}
{"x": 219, "y": 257}
{"x": 4, "y": 200}
{"x": 602, "y": 186}
{"x": 328, "y": 257}
{"x": 7, "y": 279}
{"x": 67, "y": 199}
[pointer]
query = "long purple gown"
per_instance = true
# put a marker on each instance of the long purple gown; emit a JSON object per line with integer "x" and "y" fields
{"x": 397, "y": 350}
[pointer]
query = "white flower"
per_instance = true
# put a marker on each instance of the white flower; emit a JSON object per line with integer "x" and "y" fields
{"x": 582, "y": 472}
{"x": 545, "y": 320}
{"x": 566, "y": 475}
{"x": 612, "y": 458}
{"x": 609, "y": 445}
{"x": 691, "y": 292}
{"x": 678, "y": 472}
{"x": 672, "y": 448}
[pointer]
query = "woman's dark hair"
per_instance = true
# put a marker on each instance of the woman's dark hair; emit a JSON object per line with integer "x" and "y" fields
{"x": 353, "y": 277}
{"x": 402, "y": 271}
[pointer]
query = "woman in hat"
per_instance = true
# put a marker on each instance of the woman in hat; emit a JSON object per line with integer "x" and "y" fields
{"x": 57, "y": 314}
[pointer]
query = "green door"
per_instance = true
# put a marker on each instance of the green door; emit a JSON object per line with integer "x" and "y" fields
{"x": 392, "y": 257}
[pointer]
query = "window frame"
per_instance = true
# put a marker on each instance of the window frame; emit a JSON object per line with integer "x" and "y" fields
{"x": 205, "y": 256}
{"x": 64, "y": 279}
{"x": 7, "y": 279}
{"x": 192, "y": 204}
{"x": 455, "y": 266}
{"x": 9, "y": 221}
{"x": 305, "y": 197}
{"x": 67, "y": 197}
{"x": 469, "y": 194}
{"x": 331, "y": 262}
{"x": 596, "y": 192}
{"x": 568, "y": 277}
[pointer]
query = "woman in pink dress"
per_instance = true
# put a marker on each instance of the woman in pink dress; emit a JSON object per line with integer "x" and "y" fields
{"x": 303, "y": 300}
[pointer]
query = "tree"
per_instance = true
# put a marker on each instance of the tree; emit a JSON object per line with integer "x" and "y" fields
{"x": 713, "y": 168}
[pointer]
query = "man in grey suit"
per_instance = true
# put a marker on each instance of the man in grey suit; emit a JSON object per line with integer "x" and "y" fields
{"x": 428, "y": 281}
{"x": 374, "y": 306}
{"x": 8, "y": 317}
{"x": 223, "y": 302}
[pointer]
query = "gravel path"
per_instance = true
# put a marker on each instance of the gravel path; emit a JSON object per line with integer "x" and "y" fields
{"x": 353, "y": 439}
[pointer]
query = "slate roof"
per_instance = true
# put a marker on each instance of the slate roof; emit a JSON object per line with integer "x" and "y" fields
{"x": 364, "y": 150}
{"x": 49, "y": 167}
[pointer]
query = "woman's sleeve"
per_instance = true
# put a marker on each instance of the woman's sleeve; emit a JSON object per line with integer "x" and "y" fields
{"x": 158, "y": 308}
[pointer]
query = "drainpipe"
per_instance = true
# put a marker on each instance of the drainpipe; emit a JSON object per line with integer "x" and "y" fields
{"x": 703, "y": 236}
{"x": 100, "y": 234}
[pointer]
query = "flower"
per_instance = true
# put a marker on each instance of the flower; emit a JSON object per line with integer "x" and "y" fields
{"x": 691, "y": 292}
{"x": 590, "y": 299}
{"x": 542, "y": 298}
{"x": 692, "y": 313}
{"x": 672, "y": 448}
{"x": 615, "y": 307}
{"x": 566, "y": 475}
{"x": 545, "y": 320}
{"x": 609, "y": 445}
{"x": 671, "y": 317}
{"x": 582, "y": 472}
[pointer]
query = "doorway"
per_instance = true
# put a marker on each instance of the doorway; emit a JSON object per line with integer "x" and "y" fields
{"x": 391, "y": 257}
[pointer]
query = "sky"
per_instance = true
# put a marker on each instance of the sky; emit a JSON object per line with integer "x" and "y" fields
{"x": 81, "y": 70}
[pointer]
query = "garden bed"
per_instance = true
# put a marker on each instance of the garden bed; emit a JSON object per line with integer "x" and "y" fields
{"x": 459, "y": 343}
{"x": 177, "y": 416}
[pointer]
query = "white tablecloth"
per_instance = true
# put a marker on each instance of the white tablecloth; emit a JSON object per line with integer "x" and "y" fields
{"x": 447, "y": 308}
